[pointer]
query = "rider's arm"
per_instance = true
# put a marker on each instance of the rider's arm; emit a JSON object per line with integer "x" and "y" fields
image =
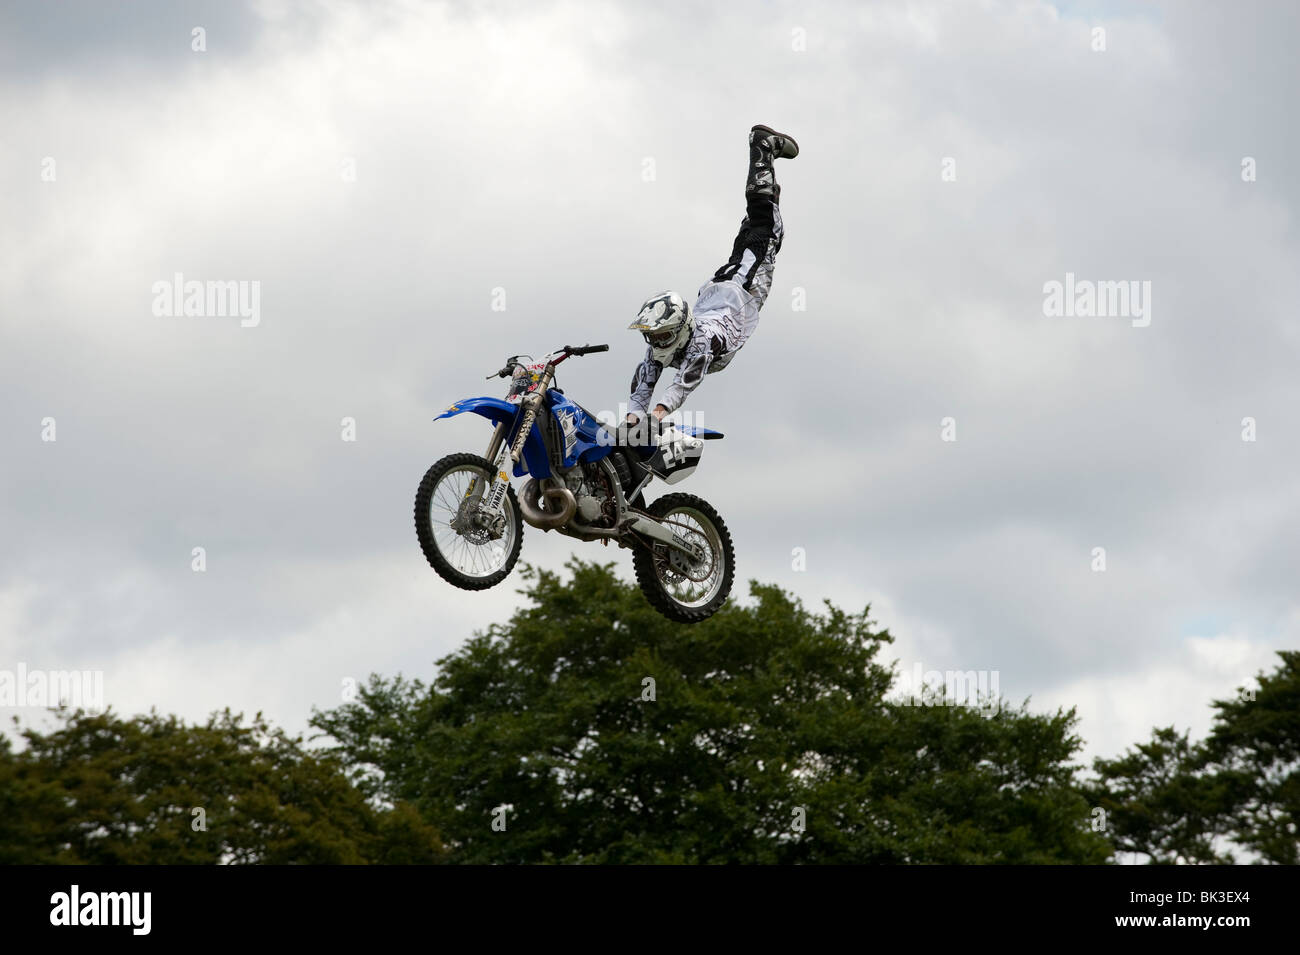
{"x": 699, "y": 352}
{"x": 643, "y": 383}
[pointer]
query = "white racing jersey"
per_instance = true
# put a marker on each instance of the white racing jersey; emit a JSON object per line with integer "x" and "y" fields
{"x": 725, "y": 316}
{"x": 726, "y": 310}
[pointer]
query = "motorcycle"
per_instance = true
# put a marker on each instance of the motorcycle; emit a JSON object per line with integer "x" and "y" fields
{"x": 584, "y": 480}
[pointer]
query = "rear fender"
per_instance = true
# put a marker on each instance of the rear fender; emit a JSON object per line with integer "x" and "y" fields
{"x": 707, "y": 434}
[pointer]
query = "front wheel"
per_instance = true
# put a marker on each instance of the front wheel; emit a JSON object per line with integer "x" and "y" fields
{"x": 459, "y": 543}
{"x": 681, "y": 589}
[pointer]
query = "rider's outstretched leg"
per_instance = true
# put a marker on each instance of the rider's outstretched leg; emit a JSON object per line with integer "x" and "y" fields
{"x": 753, "y": 254}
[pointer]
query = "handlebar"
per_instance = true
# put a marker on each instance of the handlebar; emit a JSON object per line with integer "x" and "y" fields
{"x": 565, "y": 352}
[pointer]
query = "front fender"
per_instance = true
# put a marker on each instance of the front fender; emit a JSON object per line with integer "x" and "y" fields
{"x": 535, "y": 459}
{"x": 497, "y": 409}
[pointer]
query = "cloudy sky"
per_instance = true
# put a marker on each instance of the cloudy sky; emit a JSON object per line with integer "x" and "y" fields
{"x": 381, "y": 169}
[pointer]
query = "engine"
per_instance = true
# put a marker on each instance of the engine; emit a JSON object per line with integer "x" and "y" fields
{"x": 597, "y": 504}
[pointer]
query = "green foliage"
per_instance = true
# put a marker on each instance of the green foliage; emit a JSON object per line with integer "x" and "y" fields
{"x": 1156, "y": 804}
{"x": 99, "y": 789}
{"x": 1253, "y": 753}
{"x": 1175, "y": 801}
{"x": 762, "y": 714}
{"x": 769, "y": 739}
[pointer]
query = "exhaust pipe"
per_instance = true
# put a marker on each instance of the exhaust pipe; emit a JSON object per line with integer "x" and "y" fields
{"x": 557, "y": 497}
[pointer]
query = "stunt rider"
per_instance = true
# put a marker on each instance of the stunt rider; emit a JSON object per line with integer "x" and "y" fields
{"x": 705, "y": 339}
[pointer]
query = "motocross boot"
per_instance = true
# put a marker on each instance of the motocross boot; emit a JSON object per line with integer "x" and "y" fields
{"x": 766, "y": 145}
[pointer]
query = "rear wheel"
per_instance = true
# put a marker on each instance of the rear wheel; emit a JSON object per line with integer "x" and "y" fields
{"x": 682, "y": 589}
{"x": 457, "y": 542}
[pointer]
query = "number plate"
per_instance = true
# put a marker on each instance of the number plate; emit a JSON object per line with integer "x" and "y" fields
{"x": 525, "y": 382}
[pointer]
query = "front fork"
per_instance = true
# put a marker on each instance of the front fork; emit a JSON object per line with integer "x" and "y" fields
{"x": 496, "y": 453}
{"x": 481, "y": 507}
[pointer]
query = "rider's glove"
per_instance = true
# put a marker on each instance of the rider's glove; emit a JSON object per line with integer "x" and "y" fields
{"x": 644, "y": 433}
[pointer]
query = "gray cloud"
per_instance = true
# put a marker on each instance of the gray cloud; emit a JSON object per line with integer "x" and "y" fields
{"x": 90, "y": 40}
{"x": 500, "y": 148}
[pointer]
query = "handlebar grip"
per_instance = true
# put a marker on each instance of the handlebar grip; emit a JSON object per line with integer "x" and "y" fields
{"x": 585, "y": 349}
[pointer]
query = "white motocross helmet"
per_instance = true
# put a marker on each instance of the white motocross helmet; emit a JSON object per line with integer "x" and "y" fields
{"x": 666, "y": 323}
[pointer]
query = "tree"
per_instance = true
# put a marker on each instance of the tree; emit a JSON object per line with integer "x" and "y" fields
{"x": 1253, "y": 755}
{"x": 1175, "y": 801}
{"x": 100, "y": 789}
{"x": 590, "y": 729}
{"x": 1155, "y": 803}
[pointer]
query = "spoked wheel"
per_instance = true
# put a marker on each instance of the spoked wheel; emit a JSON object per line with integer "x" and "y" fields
{"x": 680, "y": 588}
{"x": 459, "y": 544}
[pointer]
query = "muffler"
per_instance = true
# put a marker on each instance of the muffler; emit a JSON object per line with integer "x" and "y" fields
{"x": 560, "y": 498}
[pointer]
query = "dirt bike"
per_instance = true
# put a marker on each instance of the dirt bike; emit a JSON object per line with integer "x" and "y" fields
{"x": 586, "y": 481}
